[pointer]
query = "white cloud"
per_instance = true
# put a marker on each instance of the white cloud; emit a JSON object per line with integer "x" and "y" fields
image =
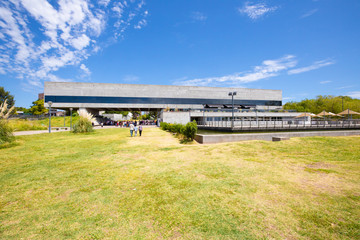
{"x": 104, "y": 2}
{"x": 325, "y": 82}
{"x": 87, "y": 72}
{"x": 39, "y": 37}
{"x": 309, "y": 13}
{"x": 80, "y": 42}
{"x": 344, "y": 87}
{"x": 54, "y": 78}
{"x": 131, "y": 78}
{"x": 314, "y": 66}
{"x": 269, "y": 68}
{"x": 355, "y": 94}
{"x": 198, "y": 16}
{"x": 255, "y": 11}
{"x": 142, "y": 23}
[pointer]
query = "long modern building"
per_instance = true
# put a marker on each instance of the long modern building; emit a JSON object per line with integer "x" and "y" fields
{"x": 176, "y": 103}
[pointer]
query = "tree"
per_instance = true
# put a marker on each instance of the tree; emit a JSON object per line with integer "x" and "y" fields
{"x": 327, "y": 103}
{"x": 135, "y": 114}
{"x": 22, "y": 109}
{"x": 38, "y": 108}
{"x": 6, "y": 95}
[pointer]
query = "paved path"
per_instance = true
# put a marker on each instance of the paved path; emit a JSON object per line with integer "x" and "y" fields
{"x": 21, "y": 133}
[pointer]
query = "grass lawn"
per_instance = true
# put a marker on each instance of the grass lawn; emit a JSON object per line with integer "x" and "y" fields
{"x": 106, "y": 185}
{"x": 43, "y": 124}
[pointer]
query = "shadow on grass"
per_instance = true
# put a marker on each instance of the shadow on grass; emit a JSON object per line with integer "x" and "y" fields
{"x": 186, "y": 141}
{"x": 83, "y": 133}
{"x": 9, "y": 144}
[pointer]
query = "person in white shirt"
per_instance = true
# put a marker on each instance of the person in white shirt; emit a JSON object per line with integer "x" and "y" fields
{"x": 131, "y": 129}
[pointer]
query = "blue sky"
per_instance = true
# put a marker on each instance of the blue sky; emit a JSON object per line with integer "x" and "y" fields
{"x": 303, "y": 47}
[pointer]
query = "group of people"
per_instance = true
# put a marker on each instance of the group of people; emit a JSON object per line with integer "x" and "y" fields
{"x": 127, "y": 123}
{"x": 134, "y": 129}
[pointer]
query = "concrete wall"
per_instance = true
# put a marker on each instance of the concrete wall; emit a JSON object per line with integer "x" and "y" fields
{"x": 162, "y": 91}
{"x": 150, "y": 91}
{"x": 268, "y": 136}
{"x": 116, "y": 117}
{"x": 175, "y": 117}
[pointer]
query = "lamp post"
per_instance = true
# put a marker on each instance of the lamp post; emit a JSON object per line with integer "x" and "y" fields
{"x": 232, "y": 94}
{"x": 50, "y": 103}
{"x": 71, "y": 118}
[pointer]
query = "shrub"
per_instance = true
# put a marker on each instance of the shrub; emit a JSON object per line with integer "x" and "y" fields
{"x": 190, "y": 130}
{"x": 6, "y": 134}
{"x": 171, "y": 128}
{"x": 177, "y": 128}
{"x": 164, "y": 126}
{"x": 84, "y": 124}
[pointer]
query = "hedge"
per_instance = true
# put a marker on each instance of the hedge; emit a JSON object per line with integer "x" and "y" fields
{"x": 188, "y": 131}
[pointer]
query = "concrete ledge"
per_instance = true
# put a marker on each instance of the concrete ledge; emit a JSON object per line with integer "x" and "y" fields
{"x": 269, "y": 136}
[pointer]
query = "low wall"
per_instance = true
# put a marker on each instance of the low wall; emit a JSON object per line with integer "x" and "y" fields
{"x": 219, "y": 138}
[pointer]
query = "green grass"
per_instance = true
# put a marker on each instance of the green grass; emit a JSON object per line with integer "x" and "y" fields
{"x": 106, "y": 185}
{"x": 27, "y": 125}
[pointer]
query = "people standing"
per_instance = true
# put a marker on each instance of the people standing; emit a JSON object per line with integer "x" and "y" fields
{"x": 131, "y": 129}
{"x": 135, "y": 129}
{"x": 140, "y": 130}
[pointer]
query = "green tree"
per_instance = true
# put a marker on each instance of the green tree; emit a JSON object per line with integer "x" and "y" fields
{"x": 328, "y": 103}
{"x": 135, "y": 114}
{"x": 25, "y": 110}
{"x": 6, "y": 95}
{"x": 38, "y": 108}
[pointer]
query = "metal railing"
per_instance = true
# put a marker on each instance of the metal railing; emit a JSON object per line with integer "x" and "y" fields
{"x": 281, "y": 125}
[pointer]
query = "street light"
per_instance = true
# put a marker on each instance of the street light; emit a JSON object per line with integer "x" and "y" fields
{"x": 71, "y": 118}
{"x": 50, "y": 103}
{"x": 232, "y": 94}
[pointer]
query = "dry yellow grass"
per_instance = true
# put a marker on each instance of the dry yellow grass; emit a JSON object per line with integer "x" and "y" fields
{"x": 107, "y": 185}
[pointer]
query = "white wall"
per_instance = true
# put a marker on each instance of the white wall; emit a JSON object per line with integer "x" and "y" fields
{"x": 175, "y": 117}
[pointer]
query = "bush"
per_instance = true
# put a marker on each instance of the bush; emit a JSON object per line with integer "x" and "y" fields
{"x": 6, "y": 134}
{"x": 164, "y": 126}
{"x": 177, "y": 128}
{"x": 190, "y": 129}
{"x": 83, "y": 125}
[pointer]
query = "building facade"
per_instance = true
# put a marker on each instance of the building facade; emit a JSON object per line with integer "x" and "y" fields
{"x": 179, "y": 104}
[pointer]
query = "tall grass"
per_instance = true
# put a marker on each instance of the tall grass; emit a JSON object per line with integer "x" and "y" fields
{"x": 84, "y": 124}
{"x": 43, "y": 124}
{"x": 6, "y": 135}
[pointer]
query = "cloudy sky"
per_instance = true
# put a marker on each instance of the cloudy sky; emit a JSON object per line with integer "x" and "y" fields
{"x": 305, "y": 48}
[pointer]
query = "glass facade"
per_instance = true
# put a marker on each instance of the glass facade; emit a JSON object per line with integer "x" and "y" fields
{"x": 144, "y": 100}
